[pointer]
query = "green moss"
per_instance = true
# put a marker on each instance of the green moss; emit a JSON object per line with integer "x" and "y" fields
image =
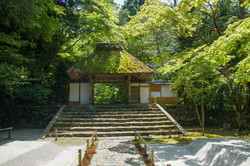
{"x": 108, "y": 61}
{"x": 209, "y": 133}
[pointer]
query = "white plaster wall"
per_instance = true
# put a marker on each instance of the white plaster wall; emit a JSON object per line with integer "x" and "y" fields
{"x": 166, "y": 92}
{"x": 144, "y": 94}
{"x": 155, "y": 94}
{"x": 144, "y": 84}
{"x": 74, "y": 92}
{"x": 85, "y": 93}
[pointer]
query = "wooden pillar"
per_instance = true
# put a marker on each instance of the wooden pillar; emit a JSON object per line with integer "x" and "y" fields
{"x": 91, "y": 85}
{"x": 127, "y": 84}
{"x": 129, "y": 89}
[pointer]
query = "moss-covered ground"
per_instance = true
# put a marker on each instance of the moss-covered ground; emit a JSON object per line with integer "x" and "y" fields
{"x": 209, "y": 133}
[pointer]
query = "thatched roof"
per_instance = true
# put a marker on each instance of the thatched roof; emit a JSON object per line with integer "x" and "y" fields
{"x": 110, "y": 59}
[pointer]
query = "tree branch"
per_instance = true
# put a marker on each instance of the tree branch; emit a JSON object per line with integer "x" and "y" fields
{"x": 201, "y": 38}
{"x": 70, "y": 46}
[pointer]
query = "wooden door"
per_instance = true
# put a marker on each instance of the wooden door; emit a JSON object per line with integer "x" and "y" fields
{"x": 135, "y": 94}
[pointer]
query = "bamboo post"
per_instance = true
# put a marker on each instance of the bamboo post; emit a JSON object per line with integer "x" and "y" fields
{"x": 170, "y": 132}
{"x": 153, "y": 156}
{"x": 87, "y": 147}
{"x": 80, "y": 157}
{"x": 55, "y": 134}
{"x": 145, "y": 146}
{"x": 95, "y": 135}
{"x": 92, "y": 141}
{"x": 9, "y": 133}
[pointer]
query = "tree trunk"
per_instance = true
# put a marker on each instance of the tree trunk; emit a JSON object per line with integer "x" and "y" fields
{"x": 241, "y": 9}
{"x": 197, "y": 112}
{"x": 202, "y": 109}
{"x": 175, "y": 2}
{"x": 234, "y": 101}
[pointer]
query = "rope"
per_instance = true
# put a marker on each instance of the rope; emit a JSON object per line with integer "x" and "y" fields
{"x": 149, "y": 147}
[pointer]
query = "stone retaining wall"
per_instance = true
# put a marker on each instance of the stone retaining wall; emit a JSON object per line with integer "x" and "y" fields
{"x": 183, "y": 114}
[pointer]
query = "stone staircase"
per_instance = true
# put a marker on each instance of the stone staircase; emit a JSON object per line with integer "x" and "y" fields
{"x": 113, "y": 120}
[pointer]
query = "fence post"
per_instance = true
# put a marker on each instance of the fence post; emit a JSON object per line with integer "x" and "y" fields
{"x": 139, "y": 139}
{"x": 170, "y": 132}
{"x": 95, "y": 135}
{"x": 80, "y": 157}
{"x": 135, "y": 135}
{"x": 92, "y": 141}
{"x": 56, "y": 134}
{"x": 145, "y": 146}
{"x": 9, "y": 133}
{"x": 153, "y": 156}
{"x": 87, "y": 147}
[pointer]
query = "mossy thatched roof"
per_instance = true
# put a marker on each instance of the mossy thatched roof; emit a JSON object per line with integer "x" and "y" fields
{"x": 110, "y": 59}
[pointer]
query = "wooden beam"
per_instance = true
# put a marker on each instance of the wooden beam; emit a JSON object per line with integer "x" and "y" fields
{"x": 46, "y": 130}
{"x": 173, "y": 120}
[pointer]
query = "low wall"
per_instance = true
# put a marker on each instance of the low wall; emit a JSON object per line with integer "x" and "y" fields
{"x": 183, "y": 114}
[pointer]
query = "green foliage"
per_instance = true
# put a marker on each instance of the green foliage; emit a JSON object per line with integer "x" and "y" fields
{"x": 32, "y": 93}
{"x": 130, "y": 8}
{"x": 206, "y": 54}
{"x": 109, "y": 93}
{"x": 40, "y": 40}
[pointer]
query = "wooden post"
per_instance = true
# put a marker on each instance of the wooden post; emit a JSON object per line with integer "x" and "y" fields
{"x": 153, "y": 156}
{"x": 145, "y": 147}
{"x": 95, "y": 135}
{"x": 92, "y": 86}
{"x": 92, "y": 140}
{"x": 170, "y": 132}
{"x": 55, "y": 134}
{"x": 135, "y": 135}
{"x": 139, "y": 139}
{"x": 127, "y": 90}
{"x": 87, "y": 151}
{"x": 9, "y": 132}
{"x": 79, "y": 157}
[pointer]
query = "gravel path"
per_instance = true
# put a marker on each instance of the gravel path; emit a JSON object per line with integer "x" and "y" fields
{"x": 25, "y": 149}
{"x": 119, "y": 152}
{"x": 205, "y": 152}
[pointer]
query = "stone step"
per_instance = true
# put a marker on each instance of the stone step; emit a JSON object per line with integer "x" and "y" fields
{"x": 117, "y": 133}
{"x": 109, "y": 112}
{"x": 111, "y": 119}
{"x": 103, "y": 106}
{"x": 114, "y": 116}
{"x": 116, "y": 128}
{"x": 79, "y": 124}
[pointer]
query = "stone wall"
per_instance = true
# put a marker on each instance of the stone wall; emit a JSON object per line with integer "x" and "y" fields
{"x": 183, "y": 114}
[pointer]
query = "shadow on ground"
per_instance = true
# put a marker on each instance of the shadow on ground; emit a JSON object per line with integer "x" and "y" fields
{"x": 20, "y": 135}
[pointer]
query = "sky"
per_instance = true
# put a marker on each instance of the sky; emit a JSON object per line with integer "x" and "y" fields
{"x": 122, "y": 1}
{"x": 119, "y": 1}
